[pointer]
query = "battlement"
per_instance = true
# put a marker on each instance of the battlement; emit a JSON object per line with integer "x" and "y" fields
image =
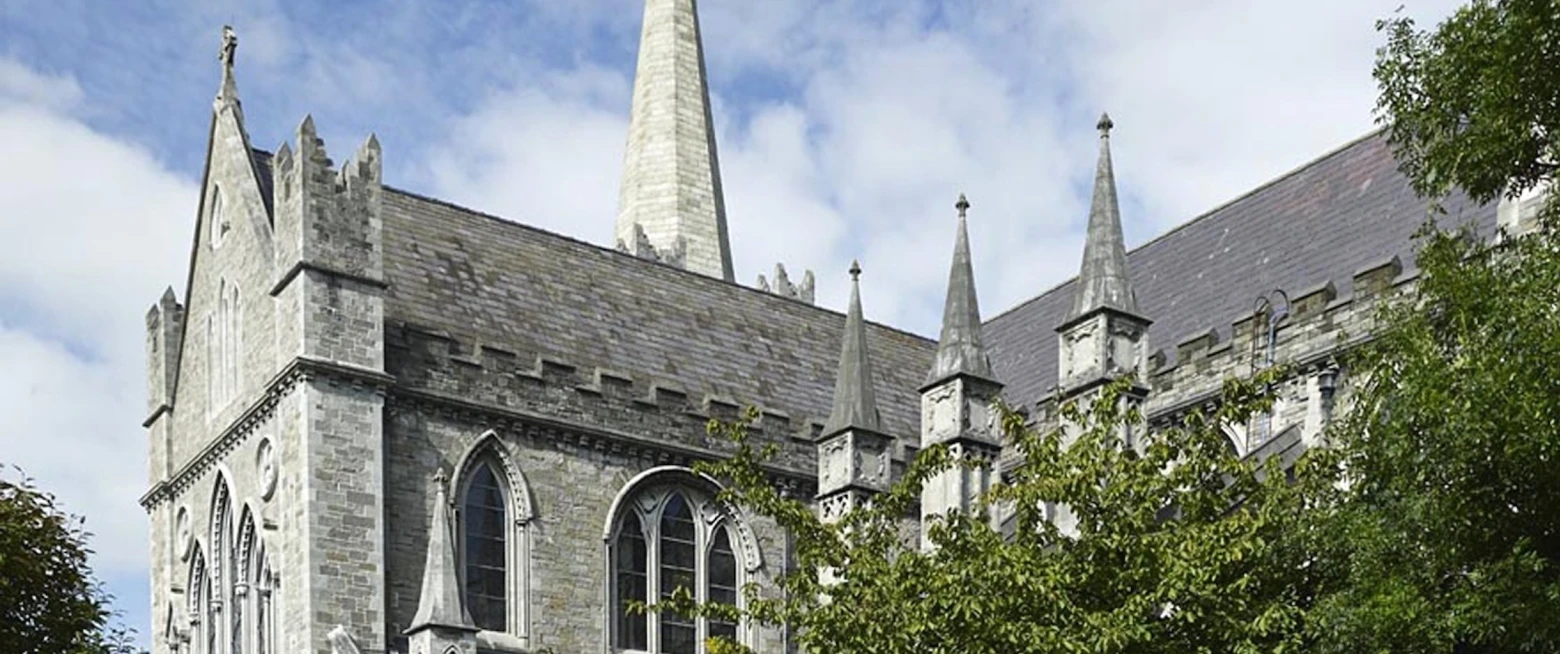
{"x": 642, "y": 408}
{"x": 783, "y": 287}
{"x": 676, "y": 255}
{"x": 327, "y": 218}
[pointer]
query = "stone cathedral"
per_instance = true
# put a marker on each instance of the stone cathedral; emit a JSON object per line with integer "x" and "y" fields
{"x": 380, "y": 422}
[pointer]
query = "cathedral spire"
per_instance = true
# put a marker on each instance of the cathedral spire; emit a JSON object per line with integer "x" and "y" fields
{"x": 959, "y": 350}
{"x": 440, "y": 605}
{"x": 855, "y": 405}
{"x": 1103, "y": 282}
{"x": 671, "y": 185}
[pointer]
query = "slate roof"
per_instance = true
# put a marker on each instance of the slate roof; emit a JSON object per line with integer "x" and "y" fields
{"x": 484, "y": 280}
{"x": 1323, "y": 222}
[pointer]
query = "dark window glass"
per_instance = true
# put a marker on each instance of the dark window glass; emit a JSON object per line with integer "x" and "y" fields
{"x": 632, "y": 583}
{"x": 722, "y": 576}
{"x": 678, "y": 557}
{"x": 483, "y": 519}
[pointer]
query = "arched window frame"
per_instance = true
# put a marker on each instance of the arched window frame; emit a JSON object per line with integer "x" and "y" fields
{"x": 219, "y": 585}
{"x": 223, "y": 347}
{"x": 241, "y": 619}
{"x": 489, "y": 451}
{"x": 233, "y": 339}
{"x": 260, "y": 610}
{"x": 646, "y": 497}
{"x": 196, "y": 595}
{"x": 223, "y": 351}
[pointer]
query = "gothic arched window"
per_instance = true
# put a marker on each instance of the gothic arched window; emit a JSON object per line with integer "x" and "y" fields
{"x": 223, "y": 347}
{"x": 195, "y": 609}
{"x": 219, "y": 579}
{"x": 241, "y": 614}
{"x": 485, "y": 539}
{"x": 493, "y": 512}
{"x": 669, "y": 534}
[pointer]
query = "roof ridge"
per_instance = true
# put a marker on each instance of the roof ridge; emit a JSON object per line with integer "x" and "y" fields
{"x": 514, "y": 224}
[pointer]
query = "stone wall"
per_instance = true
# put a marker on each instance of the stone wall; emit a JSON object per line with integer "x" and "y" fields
{"x": 576, "y": 439}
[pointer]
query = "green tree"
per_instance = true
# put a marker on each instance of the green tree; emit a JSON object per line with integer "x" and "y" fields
{"x": 49, "y": 601}
{"x": 1475, "y": 103}
{"x": 1453, "y": 515}
{"x": 1452, "y": 520}
{"x": 1180, "y": 546}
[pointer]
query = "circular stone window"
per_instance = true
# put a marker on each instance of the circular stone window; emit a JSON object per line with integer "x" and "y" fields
{"x": 181, "y": 533}
{"x": 265, "y": 468}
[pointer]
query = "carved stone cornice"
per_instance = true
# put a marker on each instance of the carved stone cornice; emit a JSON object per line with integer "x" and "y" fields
{"x": 299, "y": 370}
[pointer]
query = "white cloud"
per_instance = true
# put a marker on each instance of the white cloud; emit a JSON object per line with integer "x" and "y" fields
{"x": 900, "y": 106}
{"x": 546, "y": 154}
{"x": 93, "y": 229}
{"x": 20, "y": 85}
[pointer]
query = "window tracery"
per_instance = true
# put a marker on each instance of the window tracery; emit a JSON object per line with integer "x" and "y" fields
{"x": 668, "y": 534}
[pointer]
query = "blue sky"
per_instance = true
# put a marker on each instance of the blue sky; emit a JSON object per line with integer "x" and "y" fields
{"x": 846, "y": 129}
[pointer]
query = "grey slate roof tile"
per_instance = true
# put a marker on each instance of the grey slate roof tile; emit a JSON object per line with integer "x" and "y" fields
{"x": 496, "y": 283}
{"x": 1319, "y": 223}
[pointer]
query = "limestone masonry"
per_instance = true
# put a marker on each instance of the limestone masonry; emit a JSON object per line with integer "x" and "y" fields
{"x": 379, "y": 422}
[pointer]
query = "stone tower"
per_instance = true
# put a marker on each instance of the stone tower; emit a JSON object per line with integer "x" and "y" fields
{"x": 1104, "y": 336}
{"x": 267, "y": 440}
{"x": 957, "y": 401}
{"x": 671, "y": 206}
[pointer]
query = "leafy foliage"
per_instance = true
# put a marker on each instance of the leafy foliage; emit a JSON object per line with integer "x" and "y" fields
{"x": 1453, "y": 517}
{"x": 1454, "y": 511}
{"x": 1473, "y": 104}
{"x": 1228, "y": 573}
{"x": 49, "y": 601}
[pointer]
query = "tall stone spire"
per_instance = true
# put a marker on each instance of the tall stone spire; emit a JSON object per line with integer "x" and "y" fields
{"x": 671, "y": 188}
{"x": 959, "y": 350}
{"x": 1104, "y": 336}
{"x": 853, "y": 451}
{"x": 855, "y": 405}
{"x": 1103, "y": 282}
{"x": 441, "y": 619}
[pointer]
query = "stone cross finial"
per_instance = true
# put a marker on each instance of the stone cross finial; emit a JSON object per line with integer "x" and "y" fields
{"x": 855, "y": 270}
{"x": 962, "y": 205}
{"x": 1104, "y": 125}
{"x": 229, "y": 46}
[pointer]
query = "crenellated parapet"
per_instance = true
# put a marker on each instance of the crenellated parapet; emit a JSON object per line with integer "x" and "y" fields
{"x": 672, "y": 255}
{"x": 584, "y": 405}
{"x": 328, "y": 218}
{"x": 1309, "y": 333}
{"x": 783, "y": 287}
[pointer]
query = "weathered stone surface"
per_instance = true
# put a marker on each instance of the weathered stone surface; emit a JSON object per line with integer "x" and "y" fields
{"x": 671, "y": 185}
